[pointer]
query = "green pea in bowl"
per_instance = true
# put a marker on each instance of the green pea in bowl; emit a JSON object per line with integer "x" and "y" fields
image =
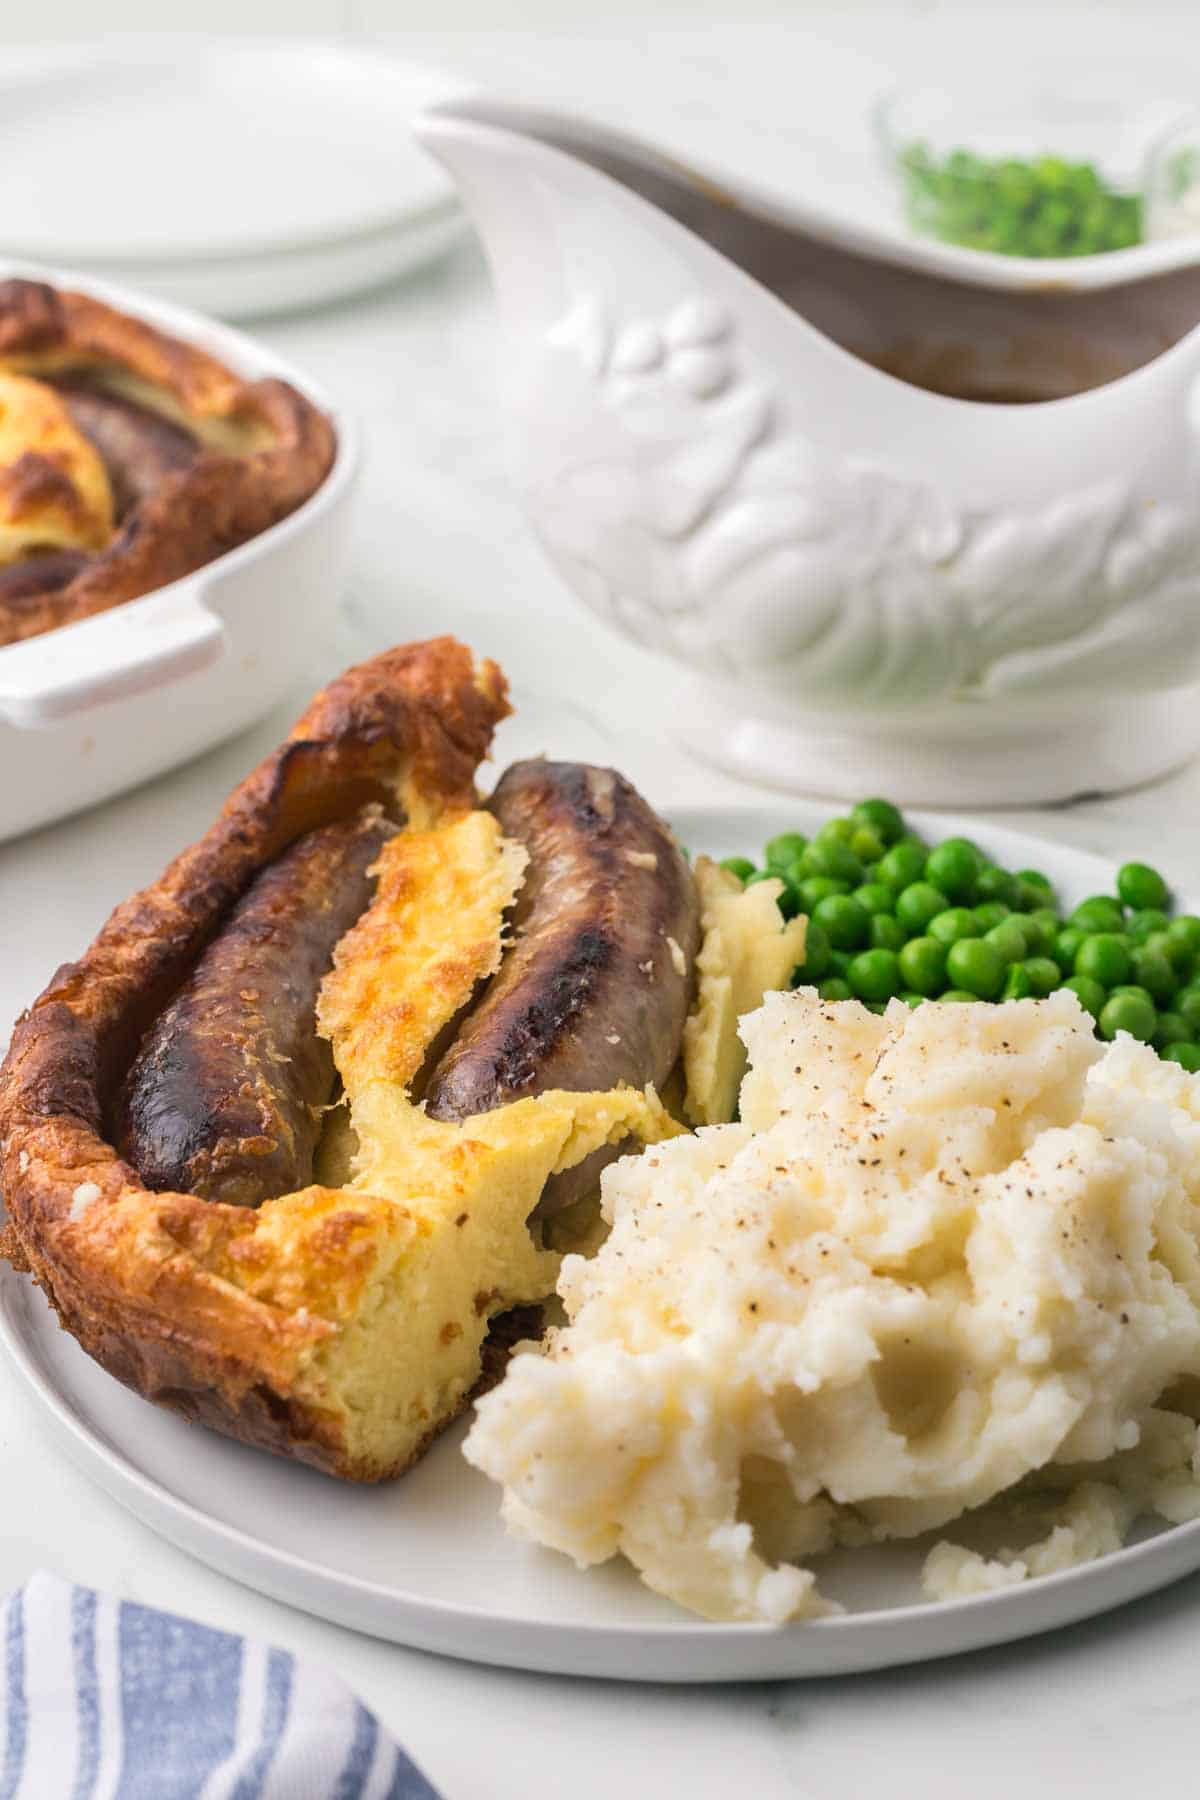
{"x": 1052, "y": 170}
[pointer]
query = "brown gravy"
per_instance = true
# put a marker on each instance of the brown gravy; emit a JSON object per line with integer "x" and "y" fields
{"x": 992, "y": 395}
{"x": 1022, "y": 374}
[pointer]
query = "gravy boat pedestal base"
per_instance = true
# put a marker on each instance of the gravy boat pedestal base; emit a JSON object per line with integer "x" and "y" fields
{"x": 968, "y": 754}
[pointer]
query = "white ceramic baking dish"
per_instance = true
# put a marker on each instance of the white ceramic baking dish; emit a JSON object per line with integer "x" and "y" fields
{"x": 94, "y": 708}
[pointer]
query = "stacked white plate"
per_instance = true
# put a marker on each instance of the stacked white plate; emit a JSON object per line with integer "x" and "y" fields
{"x": 236, "y": 177}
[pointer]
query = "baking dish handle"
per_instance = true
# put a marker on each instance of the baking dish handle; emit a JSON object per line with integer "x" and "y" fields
{"x": 115, "y": 655}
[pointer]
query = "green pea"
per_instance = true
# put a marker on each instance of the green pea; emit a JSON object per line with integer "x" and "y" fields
{"x": 990, "y": 913}
{"x": 1100, "y": 913}
{"x": 913, "y": 1000}
{"x": 1066, "y": 947}
{"x": 1175, "y": 949}
{"x": 1172, "y": 1028}
{"x": 790, "y": 901}
{"x": 917, "y": 904}
{"x": 741, "y": 866}
{"x": 833, "y": 859}
{"x": 1141, "y": 886}
{"x": 994, "y": 883}
{"x": 817, "y": 951}
{"x": 923, "y": 964}
{"x": 867, "y": 845}
{"x": 953, "y": 866}
{"x": 843, "y": 920}
{"x": 874, "y": 897}
{"x": 1089, "y": 993}
{"x": 1028, "y": 897}
{"x": 1008, "y": 940}
{"x": 1187, "y": 1003}
{"x": 1185, "y": 930}
{"x": 839, "y": 962}
{"x": 1144, "y": 923}
{"x": 1186, "y": 1055}
{"x": 761, "y": 875}
{"x": 875, "y": 975}
{"x": 1041, "y": 928}
{"x": 835, "y": 989}
{"x": 1044, "y": 975}
{"x": 900, "y": 866}
{"x": 1106, "y": 958}
{"x": 1128, "y": 1012}
{"x": 882, "y": 817}
{"x": 1035, "y": 878}
{"x": 955, "y": 923}
{"x": 886, "y": 933}
{"x": 780, "y": 852}
{"x": 957, "y": 996}
{"x": 1017, "y": 985}
{"x": 1152, "y": 971}
{"x": 835, "y": 831}
{"x": 1132, "y": 987}
{"x": 818, "y": 888}
{"x": 976, "y": 966}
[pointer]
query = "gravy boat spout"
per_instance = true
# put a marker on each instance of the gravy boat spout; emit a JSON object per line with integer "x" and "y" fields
{"x": 798, "y": 467}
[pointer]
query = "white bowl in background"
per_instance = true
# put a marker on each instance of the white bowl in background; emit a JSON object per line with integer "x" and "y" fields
{"x": 93, "y": 708}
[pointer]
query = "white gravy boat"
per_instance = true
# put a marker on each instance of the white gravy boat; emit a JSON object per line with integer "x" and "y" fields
{"x": 725, "y": 429}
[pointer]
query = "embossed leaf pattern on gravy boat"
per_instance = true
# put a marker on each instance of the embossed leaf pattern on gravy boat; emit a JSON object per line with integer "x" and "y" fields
{"x": 748, "y": 448}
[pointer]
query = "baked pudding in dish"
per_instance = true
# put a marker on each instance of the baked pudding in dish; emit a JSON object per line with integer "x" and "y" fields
{"x": 129, "y": 458}
{"x": 309, "y": 1115}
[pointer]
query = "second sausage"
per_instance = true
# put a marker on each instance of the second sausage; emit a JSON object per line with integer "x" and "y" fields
{"x": 595, "y": 988}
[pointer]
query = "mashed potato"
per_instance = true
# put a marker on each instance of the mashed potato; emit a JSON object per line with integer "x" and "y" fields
{"x": 944, "y": 1253}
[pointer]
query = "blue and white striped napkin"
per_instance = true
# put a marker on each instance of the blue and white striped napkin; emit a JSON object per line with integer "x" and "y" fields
{"x": 105, "y": 1700}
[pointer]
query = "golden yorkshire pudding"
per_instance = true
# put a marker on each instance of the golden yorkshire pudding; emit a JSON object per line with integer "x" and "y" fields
{"x": 308, "y": 1120}
{"x": 129, "y": 458}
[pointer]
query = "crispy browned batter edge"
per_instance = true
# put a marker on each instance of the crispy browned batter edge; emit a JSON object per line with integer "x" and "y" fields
{"x": 194, "y": 515}
{"x": 128, "y": 1278}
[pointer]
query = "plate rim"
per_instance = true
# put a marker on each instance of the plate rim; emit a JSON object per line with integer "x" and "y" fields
{"x": 433, "y": 1624}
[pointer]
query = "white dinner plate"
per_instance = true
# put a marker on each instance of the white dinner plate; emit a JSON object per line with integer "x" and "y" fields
{"x": 424, "y": 1561}
{"x": 235, "y": 176}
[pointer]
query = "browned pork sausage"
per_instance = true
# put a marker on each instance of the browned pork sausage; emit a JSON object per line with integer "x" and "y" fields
{"x": 225, "y": 1097}
{"x": 138, "y": 448}
{"x": 137, "y": 445}
{"x": 43, "y": 573}
{"x": 596, "y": 986}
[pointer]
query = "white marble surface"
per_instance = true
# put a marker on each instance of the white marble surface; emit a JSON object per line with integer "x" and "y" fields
{"x": 1098, "y": 1711}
